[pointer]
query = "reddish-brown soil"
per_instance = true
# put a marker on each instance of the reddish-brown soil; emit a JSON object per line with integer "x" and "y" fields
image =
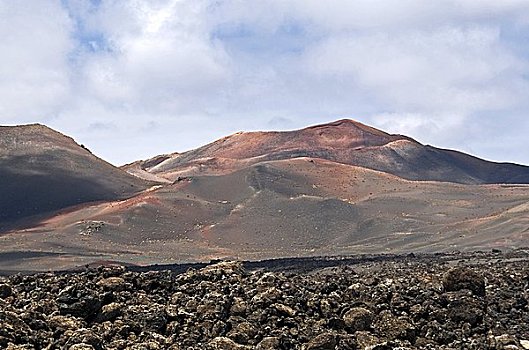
{"x": 344, "y": 141}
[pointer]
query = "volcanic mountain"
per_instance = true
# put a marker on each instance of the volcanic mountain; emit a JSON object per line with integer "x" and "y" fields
{"x": 43, "y": 171}
{"x": 337, "y": 188}
{"x": 344, "y": 141}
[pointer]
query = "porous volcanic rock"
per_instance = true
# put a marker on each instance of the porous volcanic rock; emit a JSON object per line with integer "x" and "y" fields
{"x": 358, "y": 319}
{"x": 464, "y": 278}
{"x": 405, "y": 304}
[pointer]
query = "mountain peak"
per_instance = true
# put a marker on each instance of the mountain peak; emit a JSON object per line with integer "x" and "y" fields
{"x": 353, "y": 126}
{"x": 346, "y": 133}
{"x": 341, "y": 122}
{"x": 33, "y": 138}
{"x": 26, "y": 127}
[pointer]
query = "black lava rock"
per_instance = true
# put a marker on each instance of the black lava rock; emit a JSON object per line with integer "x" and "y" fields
{"x": 413, "y": 303}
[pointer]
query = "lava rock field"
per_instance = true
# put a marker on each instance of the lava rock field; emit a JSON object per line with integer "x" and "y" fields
{"x": 463, "y": 302}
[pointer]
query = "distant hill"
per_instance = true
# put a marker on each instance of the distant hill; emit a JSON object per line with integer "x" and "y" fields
{"x": 42, "y": 171}
{"x": 344, "y": 141}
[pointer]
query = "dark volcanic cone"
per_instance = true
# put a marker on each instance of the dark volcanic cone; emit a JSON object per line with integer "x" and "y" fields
{"x": 42, "y": 171}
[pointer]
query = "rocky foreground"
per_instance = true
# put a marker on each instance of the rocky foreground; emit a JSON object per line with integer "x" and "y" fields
{"x": 477, "y": 302}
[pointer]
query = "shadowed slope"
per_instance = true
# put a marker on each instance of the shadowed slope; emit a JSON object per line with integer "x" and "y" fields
{"x": 43, "y": 171}
{"x": 343, "y": 141}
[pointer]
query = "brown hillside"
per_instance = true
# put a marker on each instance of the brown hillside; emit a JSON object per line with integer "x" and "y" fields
{"x": 344, "y": 141}
{"x": 43, "y": 171}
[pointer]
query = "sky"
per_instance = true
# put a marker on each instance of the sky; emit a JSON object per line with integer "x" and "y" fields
{"x": 133, "y": 79}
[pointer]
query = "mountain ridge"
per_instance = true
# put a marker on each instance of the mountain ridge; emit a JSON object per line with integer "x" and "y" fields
{"x": 344, "y": 141}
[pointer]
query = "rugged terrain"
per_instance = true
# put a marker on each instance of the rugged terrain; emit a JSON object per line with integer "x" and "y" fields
{"x": 337, "y": 188}
{"x": 442, "y": 301}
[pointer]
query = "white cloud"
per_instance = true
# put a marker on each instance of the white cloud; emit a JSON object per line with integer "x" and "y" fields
{"x": 135, "y": 78}
{"x": 159, "y": 56}
{"x": 34, "y": 70}
{"x": 447, "y": 69}
{"x": 346, "y": 15}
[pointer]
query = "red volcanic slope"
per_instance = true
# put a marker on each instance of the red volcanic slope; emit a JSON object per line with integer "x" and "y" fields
{"x": 339, "y": 135}
{"x": 344, "y": 141}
